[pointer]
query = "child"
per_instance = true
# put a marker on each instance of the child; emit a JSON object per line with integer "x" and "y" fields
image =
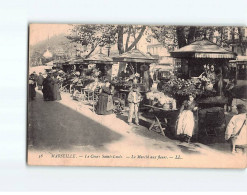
{"x": 134, "y": 99}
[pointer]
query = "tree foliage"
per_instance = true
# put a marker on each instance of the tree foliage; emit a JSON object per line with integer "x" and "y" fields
{"x": 93, "y": 36}
{"x": 178, "y": 36}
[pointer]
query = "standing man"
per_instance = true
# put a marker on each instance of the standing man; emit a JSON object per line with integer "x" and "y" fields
{"x": 229, "y": 93}
{"x": 40, "y": 80}
{"x": 236, "y": 130}
{"x": 134, "y": 99}
{"x": 35, "y": 76}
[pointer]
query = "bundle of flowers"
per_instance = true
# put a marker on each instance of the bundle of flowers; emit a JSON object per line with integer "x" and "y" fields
{"x": 177, "y": 86}
{"x": 92, "y": 86}
{"x": 121, "y": 83}
{"x": 160, "y": 97}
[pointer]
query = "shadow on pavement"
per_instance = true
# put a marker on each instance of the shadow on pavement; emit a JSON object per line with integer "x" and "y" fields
{"x": 54, "y": 126}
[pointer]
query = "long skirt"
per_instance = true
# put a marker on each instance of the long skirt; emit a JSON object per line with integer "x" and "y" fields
{"x": 101, "y": 107}
{"x": 56, "y": 92}
{"x": 186, "y": 123}
{"x": 48, "y": 92}
{"x": 32, "y": 92}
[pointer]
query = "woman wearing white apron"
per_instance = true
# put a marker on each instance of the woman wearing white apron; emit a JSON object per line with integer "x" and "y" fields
{"x": 186, "y": 120}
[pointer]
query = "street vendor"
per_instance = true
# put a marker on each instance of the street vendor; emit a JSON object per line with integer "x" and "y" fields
{"x": 105, "y": 102}
{"x": 125, "y": 73}
{"x": 219, "y": 82}
{"x": 229, "y": 93}
{"x": 186, "y": 120}
{"x": 209, "y": 73}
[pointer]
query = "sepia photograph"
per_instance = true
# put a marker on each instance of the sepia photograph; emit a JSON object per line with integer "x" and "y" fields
{"x": 137, "y": 95}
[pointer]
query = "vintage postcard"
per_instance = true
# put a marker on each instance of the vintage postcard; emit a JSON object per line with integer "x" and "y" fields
{"x": 137, "y": 95}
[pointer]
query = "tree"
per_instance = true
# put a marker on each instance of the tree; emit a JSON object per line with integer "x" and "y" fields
{"x": 136, "y": 40}
{"x": 102, "y": 35}
{"x": 92, "y": 35}
{"x": 180, "y": 36}
{"x": 241, "y": 43}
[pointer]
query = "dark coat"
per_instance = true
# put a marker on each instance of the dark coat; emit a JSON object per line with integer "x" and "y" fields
{"x": 48, "y": 86}
{"x": 56, "y": 92}
{"x": 40, "y": 80}
{"x": 105, "y": 102}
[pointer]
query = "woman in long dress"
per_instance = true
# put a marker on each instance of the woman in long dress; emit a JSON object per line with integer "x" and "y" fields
{"x": 105, "y": 102}
{"x": 56, "y": 92}
{"x": 32, "y": 92}
{"x": 219, "y": 82}
{"x": 47, "y": 90}
{"x": 186, "y": 120}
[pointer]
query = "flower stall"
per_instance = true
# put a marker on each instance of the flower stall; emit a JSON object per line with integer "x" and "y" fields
{"x": 133, "y": 69}
{"x": 103, "y": 64}
{"x": 134, "y": 65}
{"x": 195, "y": 55}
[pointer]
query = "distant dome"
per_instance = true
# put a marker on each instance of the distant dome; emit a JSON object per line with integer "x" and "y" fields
{"x": 47, "y": 54}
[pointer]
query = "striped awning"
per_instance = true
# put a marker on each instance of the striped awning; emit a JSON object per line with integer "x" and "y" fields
{"x": 215, "y": 55}
{"x": 203, "y": 49}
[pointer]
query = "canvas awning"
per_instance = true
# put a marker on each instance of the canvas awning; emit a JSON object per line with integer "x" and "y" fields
{"x": 61, "y": 61}
{"x": 77, "y": 60}
{"x": 99, "y": 58}
{"x": 203, "y": 49}
{"x": 135, "y": 55}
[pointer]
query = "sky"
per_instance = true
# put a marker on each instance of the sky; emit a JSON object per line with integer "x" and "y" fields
{"x": 40, "y": 32}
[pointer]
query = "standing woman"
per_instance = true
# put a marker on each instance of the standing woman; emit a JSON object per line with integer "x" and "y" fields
{"x": 47, "y": 90}
{"x": 31, "y": 86}
{"x": 219, "y": 82}
{"x": 186, "y": 120}
{"x": 105, "y": 102}
{"x": 56, "y": 92}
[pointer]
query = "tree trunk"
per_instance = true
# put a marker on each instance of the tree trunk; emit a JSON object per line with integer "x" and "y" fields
{"x": 233, "y": 37}
{"x": 191, "y": 35}
{"x": 92, "y": 49}
{"x": 137, "y": 39}
{"x": 242, "y": 46}
{"x": 120, "y": 39}
{"x": 180, "y": 36}
{"x": 128, "y": 38}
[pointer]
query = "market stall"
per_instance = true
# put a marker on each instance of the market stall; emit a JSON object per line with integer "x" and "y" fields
{"x": 103, "y": 63}
{"x": 238, "y": 68}
{"x": 204, "y": 66}
{"x": 134, "y": 66}
{"x": 59, "y": 63}
{"x": 75, "y": 64}
{"x": 197, "y": 54}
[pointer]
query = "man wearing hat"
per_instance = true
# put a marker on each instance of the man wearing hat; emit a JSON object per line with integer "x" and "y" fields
{"x": 236, "y": 130}
{"x": 35, "y": 76}
{"x": 134, "y": 99}
{"x": 40, "y": 80}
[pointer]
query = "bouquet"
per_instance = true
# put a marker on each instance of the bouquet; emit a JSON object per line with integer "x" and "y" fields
{"x": 183, "y": 87}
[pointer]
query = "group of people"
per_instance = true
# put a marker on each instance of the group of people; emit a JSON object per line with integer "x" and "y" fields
{"x": 49, "y": 86}
{"x": 105, "y": 103}
{"x": 222, "y": 87}
{"x": 236, "y": 129}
